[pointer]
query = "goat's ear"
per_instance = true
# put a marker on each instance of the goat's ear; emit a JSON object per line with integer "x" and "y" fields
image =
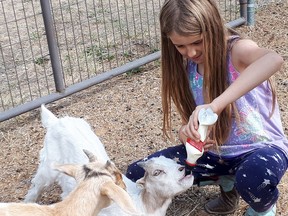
{"x": 119, "y": 196}
{"x": 142, "y": 164}
{"x": 115, "y": 171}
{"x": 119, "y": 180}
{"x": 68, "y": 169}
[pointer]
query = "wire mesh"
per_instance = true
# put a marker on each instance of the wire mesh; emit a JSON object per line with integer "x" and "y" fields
{"x": 24, "y": 57}
{"x": 93, "y": 36}
{"x": 96, "y": 36}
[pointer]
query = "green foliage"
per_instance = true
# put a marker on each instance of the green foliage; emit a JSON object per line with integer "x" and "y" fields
{"x": 41, "y": 60}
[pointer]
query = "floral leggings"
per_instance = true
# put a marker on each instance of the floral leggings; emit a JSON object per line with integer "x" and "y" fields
{"x": 255, "y": 174}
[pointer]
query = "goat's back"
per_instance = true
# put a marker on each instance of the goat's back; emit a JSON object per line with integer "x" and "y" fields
{"x": 67, "y": 137}
{"x": 64, "y": 142}
{"x": 16, "y": 209}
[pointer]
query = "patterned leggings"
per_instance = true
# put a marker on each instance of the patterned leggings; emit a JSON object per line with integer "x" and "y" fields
{"x": 256, "y": 173}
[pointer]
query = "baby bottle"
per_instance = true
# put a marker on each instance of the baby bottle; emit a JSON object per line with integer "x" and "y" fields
{"x": 194, "y": 149}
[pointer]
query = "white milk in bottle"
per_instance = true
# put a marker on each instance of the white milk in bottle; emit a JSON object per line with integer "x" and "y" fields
{"x": 194, "y": 149}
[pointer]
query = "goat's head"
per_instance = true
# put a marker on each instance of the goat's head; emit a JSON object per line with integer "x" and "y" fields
{"x": 164, "y": 176}
{"x": 107, "y": 178}
{"x": 95, "y": 168}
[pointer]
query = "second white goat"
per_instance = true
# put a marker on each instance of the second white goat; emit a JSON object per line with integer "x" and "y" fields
{"x": 63, "y": 143}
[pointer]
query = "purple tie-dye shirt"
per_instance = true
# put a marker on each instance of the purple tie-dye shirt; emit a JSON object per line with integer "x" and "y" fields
{"x": 255, "y": 129}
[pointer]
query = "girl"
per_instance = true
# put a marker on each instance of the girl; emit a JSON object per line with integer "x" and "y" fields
{"x": 205, "y": 64}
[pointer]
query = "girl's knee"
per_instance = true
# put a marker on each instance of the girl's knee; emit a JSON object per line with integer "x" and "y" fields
{"x": 257, "y": 179}
{"x": 134, "y": 172}
{"x": 265, "y": 166}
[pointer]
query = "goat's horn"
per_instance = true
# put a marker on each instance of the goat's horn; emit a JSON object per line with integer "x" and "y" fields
{"x": 90, "y": 155}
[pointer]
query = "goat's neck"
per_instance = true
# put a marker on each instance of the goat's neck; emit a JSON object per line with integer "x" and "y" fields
{"x": 84, "y": 200}
{"x": 154, "y": 204}
{"x": 150, "y": 203}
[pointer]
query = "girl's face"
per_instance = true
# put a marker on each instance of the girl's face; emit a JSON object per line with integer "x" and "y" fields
{"x": 190, "y": 47}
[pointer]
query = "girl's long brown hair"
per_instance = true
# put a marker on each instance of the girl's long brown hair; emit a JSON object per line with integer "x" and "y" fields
{"x": 192, "y": 17}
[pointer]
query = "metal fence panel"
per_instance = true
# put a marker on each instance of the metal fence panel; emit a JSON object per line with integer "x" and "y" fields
{"x": 97, "y": 36}
{"x": 93, "y": 37}
{"x": 23, "y": 50}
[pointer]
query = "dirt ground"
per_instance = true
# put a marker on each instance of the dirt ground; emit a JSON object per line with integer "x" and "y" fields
{"x": 125, "y": 113}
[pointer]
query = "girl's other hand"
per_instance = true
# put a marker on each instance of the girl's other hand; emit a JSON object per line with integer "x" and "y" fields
{"x": 209, "y": 143}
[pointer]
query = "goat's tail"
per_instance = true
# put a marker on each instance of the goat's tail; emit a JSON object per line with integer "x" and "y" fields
{"x": 47, "y": 117}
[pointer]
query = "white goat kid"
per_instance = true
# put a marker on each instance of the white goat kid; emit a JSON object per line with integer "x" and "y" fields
{"x": 153, "y": 193}
{"x": 98, "y": 184}
{"x": 64, "y": 141}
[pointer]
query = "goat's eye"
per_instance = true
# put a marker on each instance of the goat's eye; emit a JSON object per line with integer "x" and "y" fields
{"x": 156, "y": 172}
{"x": 181, "y": 169}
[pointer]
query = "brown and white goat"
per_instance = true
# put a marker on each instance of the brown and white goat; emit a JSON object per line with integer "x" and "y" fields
{"x": 98, "y": 184}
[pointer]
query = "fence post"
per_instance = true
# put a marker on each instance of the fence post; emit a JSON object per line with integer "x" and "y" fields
{"x": 250, "y": 13}
{"x": 243, "y": 9}
{"x": 52, "y": 45}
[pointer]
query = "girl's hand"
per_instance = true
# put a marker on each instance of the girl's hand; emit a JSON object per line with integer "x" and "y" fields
{"x": 191, "y": 129}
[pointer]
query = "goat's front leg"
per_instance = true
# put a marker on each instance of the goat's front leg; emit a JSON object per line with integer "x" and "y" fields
{"x": 44, "y": 178}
